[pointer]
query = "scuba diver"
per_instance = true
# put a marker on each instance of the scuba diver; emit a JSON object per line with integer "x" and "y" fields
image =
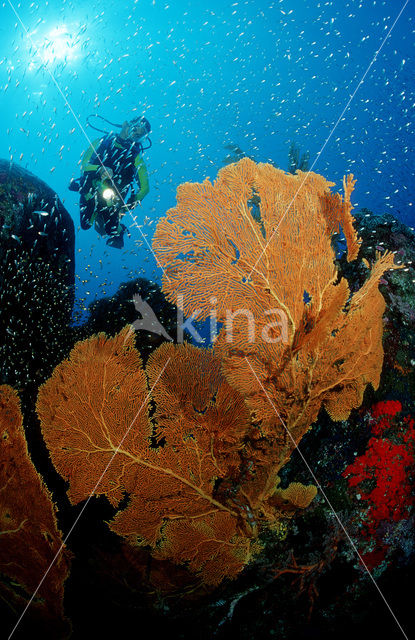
{"x": 114, "y": 179}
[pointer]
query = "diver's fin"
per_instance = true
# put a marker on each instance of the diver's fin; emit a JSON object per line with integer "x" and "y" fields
{"x": 116, "y": 241}
{"x": 125, "y": 230}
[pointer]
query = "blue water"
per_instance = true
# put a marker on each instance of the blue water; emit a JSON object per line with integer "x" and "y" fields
{"x": 258, "y": 74}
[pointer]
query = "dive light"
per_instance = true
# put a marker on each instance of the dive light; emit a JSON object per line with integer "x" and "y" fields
{"x": 108, "y": 193}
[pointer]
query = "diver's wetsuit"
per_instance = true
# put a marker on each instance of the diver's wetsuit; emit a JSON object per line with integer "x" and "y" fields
{"x": 123, "y": 157}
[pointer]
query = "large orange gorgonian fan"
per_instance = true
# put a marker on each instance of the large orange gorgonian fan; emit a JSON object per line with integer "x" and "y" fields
{"x": 258, "y": 242}
{"x": 94, "y": 414}
{"x": 29, "y": 536}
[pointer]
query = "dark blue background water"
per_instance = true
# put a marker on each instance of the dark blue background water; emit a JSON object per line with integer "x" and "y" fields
{"x": 252, "y": 73}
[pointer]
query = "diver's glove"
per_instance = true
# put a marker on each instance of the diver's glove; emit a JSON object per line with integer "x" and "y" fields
{"x": 74, "y": 185}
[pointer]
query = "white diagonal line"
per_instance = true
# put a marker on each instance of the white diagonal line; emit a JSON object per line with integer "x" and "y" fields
{"x": 329, "y": 136}
{"x": 327, "y": 499}
{"x": 86, "y": 503}
{"x": 67, "y": 103}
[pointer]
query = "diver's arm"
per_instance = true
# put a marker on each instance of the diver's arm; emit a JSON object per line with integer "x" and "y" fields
{"x": 142, "y": 179}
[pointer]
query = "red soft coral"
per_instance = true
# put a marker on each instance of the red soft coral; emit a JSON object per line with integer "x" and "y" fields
{"x": 385, "y": 466}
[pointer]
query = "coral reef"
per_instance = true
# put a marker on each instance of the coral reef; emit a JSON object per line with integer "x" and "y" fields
{"x": 206, "y": 521}
{"x": 371, "y": 437}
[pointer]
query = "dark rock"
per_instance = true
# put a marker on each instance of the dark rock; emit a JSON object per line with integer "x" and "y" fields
{"x": 110, "y": 315}
{"x": 36, "y": 277}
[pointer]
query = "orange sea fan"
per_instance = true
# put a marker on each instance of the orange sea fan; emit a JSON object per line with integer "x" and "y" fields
{"x": 296, "y": 494}
{"x": 94, "y": 401}
{"x": 212, "y": 244}
{"x": 315, "y": 344}
{"x": 29, "y": 535}
{"x": 94, "y": 418}
{"x": 193, "y": 395}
